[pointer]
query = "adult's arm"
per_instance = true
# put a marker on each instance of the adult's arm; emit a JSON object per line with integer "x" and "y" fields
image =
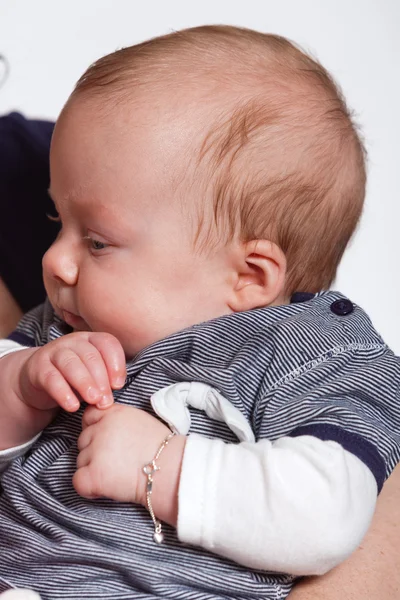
{"x": 373, "y": 571}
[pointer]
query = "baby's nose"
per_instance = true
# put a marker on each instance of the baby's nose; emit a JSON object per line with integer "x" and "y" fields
{"x": 60, "y": 265}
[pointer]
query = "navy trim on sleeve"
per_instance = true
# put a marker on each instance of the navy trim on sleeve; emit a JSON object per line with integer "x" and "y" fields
{"x": 351, "y": 442}
{"x": 22, "y": 338}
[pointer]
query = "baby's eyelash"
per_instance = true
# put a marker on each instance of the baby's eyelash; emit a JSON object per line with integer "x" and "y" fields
{"x": 56, "y": 219}
{"x": 94, "y": 244}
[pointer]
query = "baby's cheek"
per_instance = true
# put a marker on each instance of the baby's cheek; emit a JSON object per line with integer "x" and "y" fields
{"x": 98, "y": 302}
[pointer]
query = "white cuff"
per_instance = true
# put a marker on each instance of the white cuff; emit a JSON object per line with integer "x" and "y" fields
{"x": 8, "y": 346}
{"x": 9, "y": 454}
{"x": 172, "y": 405}
{"x": 197, "y": 488}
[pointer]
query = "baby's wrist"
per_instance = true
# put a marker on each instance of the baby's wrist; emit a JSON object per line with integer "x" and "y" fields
{"x": 12, "y": 365}
{"x": 164, "y": 496}
{"x": 20, "y": 421}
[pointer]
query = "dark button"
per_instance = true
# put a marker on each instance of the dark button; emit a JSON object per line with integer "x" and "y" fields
{"x": 342, "y": 307}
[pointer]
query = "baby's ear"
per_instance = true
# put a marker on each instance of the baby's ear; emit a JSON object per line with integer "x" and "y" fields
{"x": 261, "y": 276}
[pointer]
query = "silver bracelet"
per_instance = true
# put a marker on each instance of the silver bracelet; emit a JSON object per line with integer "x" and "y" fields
{"x": 148, "y": 470}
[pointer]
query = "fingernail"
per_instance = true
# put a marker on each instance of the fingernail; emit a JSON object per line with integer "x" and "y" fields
{"x": 105, "y": 401}
{"x": 72, "y": 404}
{"x": 93, "y": 393}
{"x": 119, "y": 382}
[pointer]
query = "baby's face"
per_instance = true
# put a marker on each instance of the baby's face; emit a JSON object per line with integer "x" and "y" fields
{"x": 124, "y": 262}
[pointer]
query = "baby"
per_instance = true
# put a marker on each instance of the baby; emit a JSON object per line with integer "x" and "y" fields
{"x": 207, "y": 183}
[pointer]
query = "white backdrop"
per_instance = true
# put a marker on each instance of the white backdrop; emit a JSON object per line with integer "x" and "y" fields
{"x": 49, "y": 43}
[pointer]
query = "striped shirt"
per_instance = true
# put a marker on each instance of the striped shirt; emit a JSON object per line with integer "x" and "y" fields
{"x": 308, "y": 368}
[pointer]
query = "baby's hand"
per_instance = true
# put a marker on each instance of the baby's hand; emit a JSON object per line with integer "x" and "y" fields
{"x": 87, "y": 364}
{"x": 114, "y": 445}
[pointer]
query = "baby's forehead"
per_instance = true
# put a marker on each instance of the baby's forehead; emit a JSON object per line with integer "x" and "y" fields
{"x": 186, "y": 129}
{"x": 170, "y": 126}
{"x": 146, "y": 150}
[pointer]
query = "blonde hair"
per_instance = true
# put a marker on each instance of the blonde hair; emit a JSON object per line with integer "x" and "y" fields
{"x": 284, "y": 160}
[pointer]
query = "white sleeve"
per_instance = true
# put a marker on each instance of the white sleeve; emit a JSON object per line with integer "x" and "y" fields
{"x": 296, "y": 505}
{"x": 8, "y": 455}
{"x": 8, "y": 346}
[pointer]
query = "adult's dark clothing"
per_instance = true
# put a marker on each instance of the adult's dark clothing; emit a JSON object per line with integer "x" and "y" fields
{"x": 25, "y": 230}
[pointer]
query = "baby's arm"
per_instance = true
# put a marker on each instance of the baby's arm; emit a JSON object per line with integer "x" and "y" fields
{"x": 8, "y": 455}
{"x": 19, "y": 422}
{"x": 35, "y": 382}
{"x": 313, "y": 498}
{"x": 297, "y": 505}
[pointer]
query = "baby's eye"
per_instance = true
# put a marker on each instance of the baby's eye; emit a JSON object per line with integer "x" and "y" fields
{"x": 95, "y": 244}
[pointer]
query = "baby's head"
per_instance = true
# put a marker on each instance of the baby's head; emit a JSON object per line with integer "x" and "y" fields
{"x": 210, "y": 171}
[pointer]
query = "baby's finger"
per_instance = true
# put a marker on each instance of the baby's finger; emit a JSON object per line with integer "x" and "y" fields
{"x": 85, "y": 438}
{"x": 83, "y": 483}
{"x": 54, "y": 384}
{"x": 76, "y": 374}
{"x": 94, "y": 362}
{"x": 83, "y": 459}
{"x": 113, "y": 356}
{"x": 91, "y": 416}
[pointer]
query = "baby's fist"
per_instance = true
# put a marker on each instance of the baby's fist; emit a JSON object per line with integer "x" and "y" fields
{"x": 114, "y": 445}
{"x": 85, "y": 365}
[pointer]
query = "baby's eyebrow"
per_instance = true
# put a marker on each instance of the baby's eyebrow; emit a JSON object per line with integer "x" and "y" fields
{"x": 71, "y": 196}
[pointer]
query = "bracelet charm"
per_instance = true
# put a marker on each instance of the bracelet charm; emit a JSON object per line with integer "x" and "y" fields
{"x": 149, "y": 470}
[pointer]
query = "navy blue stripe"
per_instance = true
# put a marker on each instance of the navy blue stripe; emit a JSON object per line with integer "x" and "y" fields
{"x": 301, "y": 297}
{"x": 351, "y": 442}
{"x": 22, "y": 338}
